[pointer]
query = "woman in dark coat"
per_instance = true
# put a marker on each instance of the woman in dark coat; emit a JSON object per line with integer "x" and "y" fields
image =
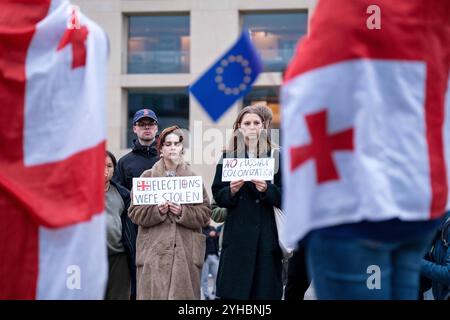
{"x": 251, "y": 260}
{"x": 121, "y": 236}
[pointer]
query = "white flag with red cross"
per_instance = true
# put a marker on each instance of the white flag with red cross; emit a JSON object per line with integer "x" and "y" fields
{"x": 365, "y": 116}
{"x": 52, "y": 152}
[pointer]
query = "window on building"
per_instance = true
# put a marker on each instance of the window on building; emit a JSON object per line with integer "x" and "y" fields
{"x": 268, "y": 96}
{"x": 276, "y": 36}
{"x": 170, "y": 105}
{"x": 158, "y": 44}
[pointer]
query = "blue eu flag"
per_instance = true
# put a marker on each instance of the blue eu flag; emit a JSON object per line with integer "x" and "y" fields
{"x": 229, "y": 79}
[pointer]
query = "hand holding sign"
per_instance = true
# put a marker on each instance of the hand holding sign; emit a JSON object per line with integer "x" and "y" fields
{"x": 260, "y": 185}
{"x": 235, "y": 186}
{"x": 163, "y": 207}
{"x": 175, "y": 208}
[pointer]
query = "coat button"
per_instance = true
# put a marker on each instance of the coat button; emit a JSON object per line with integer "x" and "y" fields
{"x": 241, "y": 197}
{"x": 257, "y": 201}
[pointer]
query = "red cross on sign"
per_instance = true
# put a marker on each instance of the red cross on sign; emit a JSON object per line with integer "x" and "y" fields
{"x": 76, "y": 36}
{"x": 144, "y": 186}
{"x": 321, "y": 147}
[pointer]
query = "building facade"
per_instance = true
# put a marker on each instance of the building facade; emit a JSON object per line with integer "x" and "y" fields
{"x": 159, "y": 47}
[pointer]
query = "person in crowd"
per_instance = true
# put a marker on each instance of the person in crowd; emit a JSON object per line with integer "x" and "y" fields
{"x": 364, "y": 192}
{"x": 142, "y": 157}
{"x": 250, "y": 263}
{"x": 436, "y": 265}
{"x": 211, "y": 263}
{"x": 144, "y": 154}
{"x": 297, "y": 275}
{"x": 218, "y": 215}
{"x": 121, "y": 237}
{"x": 170, "y": 246}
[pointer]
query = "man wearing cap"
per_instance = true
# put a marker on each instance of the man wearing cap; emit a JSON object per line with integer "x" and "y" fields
{"x": 144, "y": 153}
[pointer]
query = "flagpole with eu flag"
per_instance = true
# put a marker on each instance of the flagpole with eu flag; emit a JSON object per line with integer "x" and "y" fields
{"x": 229, "y": 79}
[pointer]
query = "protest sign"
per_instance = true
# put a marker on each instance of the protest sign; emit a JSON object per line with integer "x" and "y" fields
{"x": 248, "y": 169}
{"x": 181, "y": 190}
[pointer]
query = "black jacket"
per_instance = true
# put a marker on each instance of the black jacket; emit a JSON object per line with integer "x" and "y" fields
{"x": 132, "y": 164}
{"x": 129, "y": 235}
{"x": 436, "y": 266}
{"x": 250, "y": 261}
{"x": 212, "y": 243}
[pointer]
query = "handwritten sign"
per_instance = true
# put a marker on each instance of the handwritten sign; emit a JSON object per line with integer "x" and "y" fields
{"x": 181, "y": 190}
{"x": 248, "y": 169}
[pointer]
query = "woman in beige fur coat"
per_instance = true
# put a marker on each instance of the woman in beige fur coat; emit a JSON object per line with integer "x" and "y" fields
{"x": 170, "y": 247}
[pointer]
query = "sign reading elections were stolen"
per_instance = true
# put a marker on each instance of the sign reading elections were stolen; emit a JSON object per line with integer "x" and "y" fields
{"x": 248, "y": 169}
{"x": 181, "y": 190}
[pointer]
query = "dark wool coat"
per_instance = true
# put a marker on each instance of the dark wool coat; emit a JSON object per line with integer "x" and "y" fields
{"x": 251, "y": 260}
{"x": 170, "y": 250}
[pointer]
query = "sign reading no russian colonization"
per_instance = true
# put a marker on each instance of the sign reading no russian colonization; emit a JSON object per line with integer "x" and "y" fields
{"x": 248, "y": 169}
{"x": 181, "y": 190}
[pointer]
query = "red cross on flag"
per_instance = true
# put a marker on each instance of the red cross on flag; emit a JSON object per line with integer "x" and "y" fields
{"x": 52, "y": 152}
{"x": 366, "y": 129}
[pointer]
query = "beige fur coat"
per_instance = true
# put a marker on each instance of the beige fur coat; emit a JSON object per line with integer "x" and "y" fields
{"x": 170, "y": 249}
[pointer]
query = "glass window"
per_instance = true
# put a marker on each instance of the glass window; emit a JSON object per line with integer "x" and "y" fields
{"x": 170, "y": 105}
{"x": 158, "y": 44}
{"x": 268, "y": 96}
{"x": 276, "y": 36}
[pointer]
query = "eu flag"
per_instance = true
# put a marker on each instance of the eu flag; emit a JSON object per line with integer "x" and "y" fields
{"x": 229, "y": 79}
